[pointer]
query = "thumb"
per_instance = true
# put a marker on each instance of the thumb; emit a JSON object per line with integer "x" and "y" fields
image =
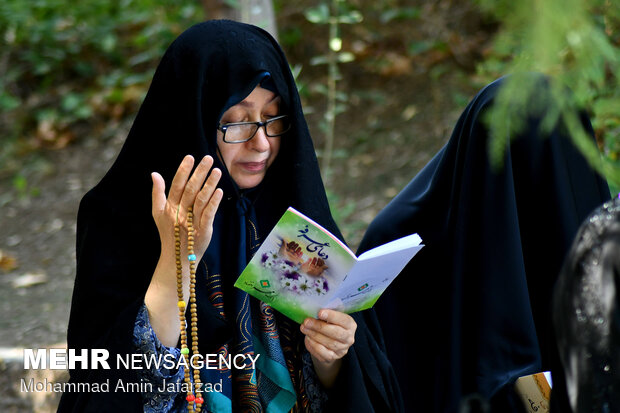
{"x": 159, "y": 195}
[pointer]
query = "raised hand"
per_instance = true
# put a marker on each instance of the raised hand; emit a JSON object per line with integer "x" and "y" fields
{"x": 291, "y": 251}
{"x": 200, "y": 192}
{"x": 314, "y": 266}
{"x": 185, "y": 192}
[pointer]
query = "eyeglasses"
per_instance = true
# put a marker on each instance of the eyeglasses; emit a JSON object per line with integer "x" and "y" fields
{"x": 240, "y": 132}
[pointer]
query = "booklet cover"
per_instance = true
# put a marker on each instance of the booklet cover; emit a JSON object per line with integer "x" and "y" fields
{"x": 301, "y": 267}
{"x": 535, "y": 391}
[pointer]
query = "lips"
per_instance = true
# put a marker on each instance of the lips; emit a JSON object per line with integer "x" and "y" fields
{"x": 253, "y": 166}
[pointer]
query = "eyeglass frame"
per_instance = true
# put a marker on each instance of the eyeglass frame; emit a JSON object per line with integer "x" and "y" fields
{"x": 259, "y": 124}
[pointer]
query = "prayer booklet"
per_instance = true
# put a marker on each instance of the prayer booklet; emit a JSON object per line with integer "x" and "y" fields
{"x": 535, "y": 391}
{"x": 301, "y": 267}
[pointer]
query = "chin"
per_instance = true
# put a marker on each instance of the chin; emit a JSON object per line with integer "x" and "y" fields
{"x": 247, "y": 182}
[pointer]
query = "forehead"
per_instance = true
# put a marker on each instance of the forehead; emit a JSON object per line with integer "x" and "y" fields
{"x": 259, "y": 97}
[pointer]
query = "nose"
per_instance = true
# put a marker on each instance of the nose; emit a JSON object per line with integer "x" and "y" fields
{"x": 260, "y": 141}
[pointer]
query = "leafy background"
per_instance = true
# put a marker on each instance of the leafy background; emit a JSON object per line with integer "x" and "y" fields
{"x": 72, "y": 69}
{"x": 382, "y": 84}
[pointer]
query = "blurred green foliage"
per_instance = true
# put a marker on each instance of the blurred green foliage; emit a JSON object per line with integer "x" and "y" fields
{"x": 332, "y": 14}
{"x": 65, "y": 61}
{"x": 576, "y": 43}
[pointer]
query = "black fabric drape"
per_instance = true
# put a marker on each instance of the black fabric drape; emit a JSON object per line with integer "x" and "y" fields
{"x": 476, "y": 300}
{"x": 117, "y": 242}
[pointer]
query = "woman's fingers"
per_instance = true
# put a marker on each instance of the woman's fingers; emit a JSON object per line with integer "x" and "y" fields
{"x": 334, "y": 333}
{"x": 327, "y": 333}
{"x": 189, "y": 189}
{"x": 195, "y": 183}
{"x": 159, "y": 194}
{"x": 320, "y": 352}
{"x": 180, "y": 180}
{"x": 208, "y": 213}
{"x": 338, "y": 318}
{"x": 337, "y": 345}
{"x": 206, "y": 193}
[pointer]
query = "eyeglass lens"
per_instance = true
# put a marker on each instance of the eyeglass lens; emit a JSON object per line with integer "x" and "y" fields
{"x": 274, "y": 127}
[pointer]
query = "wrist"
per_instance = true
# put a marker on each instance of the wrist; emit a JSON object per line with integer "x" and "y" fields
{"x": 327, "y": 371}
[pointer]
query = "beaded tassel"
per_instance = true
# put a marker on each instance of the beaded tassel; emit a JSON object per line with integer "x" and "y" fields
{"x": 191, "y": 399}
{"x": 192, "y": 302}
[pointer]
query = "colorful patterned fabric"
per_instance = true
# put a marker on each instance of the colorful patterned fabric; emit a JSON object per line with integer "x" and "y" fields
{"x": 146, "y": 342}
{"x": 269, "y": 387}
{"x": 311, "y": 398}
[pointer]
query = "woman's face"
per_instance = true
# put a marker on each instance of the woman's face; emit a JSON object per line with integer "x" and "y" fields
{"x": 248, "y": 162}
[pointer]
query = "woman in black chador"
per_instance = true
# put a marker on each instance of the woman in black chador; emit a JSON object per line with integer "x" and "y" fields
{"x": 471, "y": 312}
{"x": 222, "y": 112}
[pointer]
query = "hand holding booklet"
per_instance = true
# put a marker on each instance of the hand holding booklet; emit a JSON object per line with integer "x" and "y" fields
{"x": 301, "y": 267}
